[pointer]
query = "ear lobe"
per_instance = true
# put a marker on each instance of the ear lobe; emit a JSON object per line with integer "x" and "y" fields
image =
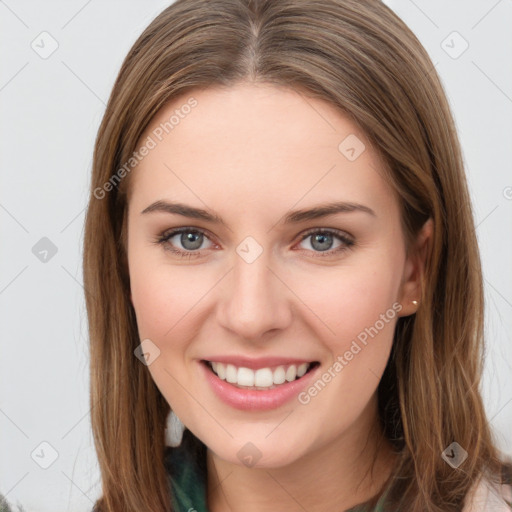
{"x": 414, "y": 269}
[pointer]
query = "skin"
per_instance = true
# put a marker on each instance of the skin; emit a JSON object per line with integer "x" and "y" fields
{"x": 251, "y": 153}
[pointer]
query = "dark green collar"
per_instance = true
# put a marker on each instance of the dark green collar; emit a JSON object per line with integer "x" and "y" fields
{"x": 186, "y": 468}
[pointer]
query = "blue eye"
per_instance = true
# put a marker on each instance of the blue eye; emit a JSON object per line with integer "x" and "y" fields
{"x": 322, "y": 241}
{"x": 191, "y": 239}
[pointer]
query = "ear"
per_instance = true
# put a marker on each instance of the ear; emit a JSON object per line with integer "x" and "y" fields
{"x": 414, "y": 269}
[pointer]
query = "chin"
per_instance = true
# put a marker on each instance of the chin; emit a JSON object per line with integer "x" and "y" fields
{"x": 257, "y": 451}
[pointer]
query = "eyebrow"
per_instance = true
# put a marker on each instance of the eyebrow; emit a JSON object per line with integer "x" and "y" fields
{"x": 316, "y": 212}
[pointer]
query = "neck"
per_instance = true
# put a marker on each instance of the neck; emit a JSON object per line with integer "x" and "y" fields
{"x": 336, "y": 476}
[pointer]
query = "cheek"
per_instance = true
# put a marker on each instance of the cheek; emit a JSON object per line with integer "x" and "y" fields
{"x": 349, "y": 299}
{"x": 357, "y": 313}
{"x": 163, "y": 299}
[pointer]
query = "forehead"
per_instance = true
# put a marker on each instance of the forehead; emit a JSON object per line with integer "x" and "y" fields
{"x": 260, "y": 145}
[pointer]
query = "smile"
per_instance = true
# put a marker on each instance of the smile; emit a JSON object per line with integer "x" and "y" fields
{"x": 259, "y": 388}
{"x": 261, "y": 378}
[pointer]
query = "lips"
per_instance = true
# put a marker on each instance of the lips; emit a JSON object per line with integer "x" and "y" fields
{"x": 253, "y": 397}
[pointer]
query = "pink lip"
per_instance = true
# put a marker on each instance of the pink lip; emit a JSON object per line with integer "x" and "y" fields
{"x": 256, "y": 400}
{"x": 256, "y": 363}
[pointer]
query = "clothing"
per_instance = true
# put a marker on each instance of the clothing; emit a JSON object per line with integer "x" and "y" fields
{"x": 489, "y": 497}
{"x": 187, "y": 464}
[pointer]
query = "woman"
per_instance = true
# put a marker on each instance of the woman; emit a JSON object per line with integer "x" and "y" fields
{"x": 280, "y": 249}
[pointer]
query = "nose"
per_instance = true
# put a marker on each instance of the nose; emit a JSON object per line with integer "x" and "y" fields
{"x": 255, "y": 300}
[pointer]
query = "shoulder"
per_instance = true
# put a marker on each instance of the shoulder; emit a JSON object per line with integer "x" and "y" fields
{"x": 487, "y": 495}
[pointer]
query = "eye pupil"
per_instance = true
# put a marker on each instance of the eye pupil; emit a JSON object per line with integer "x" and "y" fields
{"x": 193, "y": 237}
{"x": 322, "y": 238}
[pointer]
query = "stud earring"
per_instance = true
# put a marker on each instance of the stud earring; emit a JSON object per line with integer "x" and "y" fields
{"x": 174, "y": 430}
{"x": 415, "y": 302}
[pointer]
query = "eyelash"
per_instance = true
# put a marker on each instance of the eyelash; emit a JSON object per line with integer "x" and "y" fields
{"x": 348, "y": 242}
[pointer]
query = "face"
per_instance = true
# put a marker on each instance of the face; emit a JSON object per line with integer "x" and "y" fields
{"x": 262, "y": 292}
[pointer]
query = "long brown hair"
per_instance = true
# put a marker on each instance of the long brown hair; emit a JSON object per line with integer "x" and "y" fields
{"x": 361, "y": 58}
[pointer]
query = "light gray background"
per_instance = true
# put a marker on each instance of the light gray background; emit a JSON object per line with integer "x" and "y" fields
{"x": 50, "y": 111}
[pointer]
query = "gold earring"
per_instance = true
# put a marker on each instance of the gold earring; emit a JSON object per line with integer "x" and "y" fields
{"x": 415, "y": 302}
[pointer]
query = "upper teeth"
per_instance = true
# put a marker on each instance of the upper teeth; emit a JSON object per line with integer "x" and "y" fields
{"x": 263, "y": 377}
